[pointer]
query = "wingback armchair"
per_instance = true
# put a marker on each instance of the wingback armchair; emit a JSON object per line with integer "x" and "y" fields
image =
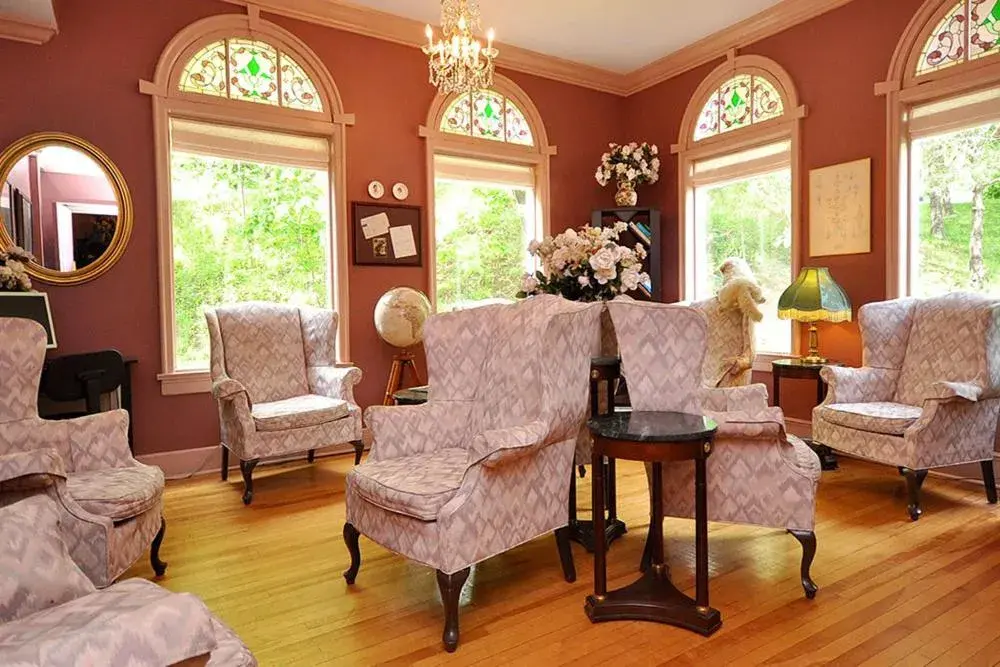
{"x": 51, "y": 613}
{"x": 278, "y": 385}
{"x": 756, "y": 474}
{"x": 485, "y": 464}
{"x": 117, "y": 500}
{"x": 928, "y": 392}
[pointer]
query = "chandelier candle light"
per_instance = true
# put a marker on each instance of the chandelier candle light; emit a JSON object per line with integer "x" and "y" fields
{"x": 458, "y": 62}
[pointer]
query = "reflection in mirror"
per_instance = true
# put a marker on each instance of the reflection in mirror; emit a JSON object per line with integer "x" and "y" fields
{"x": 59, "y": 204}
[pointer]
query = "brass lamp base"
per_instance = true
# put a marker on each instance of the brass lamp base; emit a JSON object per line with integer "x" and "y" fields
{"x": 813, "y": 356}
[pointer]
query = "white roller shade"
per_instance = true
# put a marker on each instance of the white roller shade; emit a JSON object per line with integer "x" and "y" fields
{"x": 751, "y": 162}
{"x": 237, "y": 143}
{"x": 479, "y": 171}
{"x": 955, "y": 113}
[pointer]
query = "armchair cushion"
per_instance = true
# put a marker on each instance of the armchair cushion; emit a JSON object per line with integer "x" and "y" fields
{"x": 36, "y": 571}
{"x": 417, "y": 486}
{"x": 298, "y": 412}
{"x": 117, "y": 493}
{"x": 882, "y": 417}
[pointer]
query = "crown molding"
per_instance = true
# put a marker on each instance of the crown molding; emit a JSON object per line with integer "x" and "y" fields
{"x": 408, "y": 32}
{"x": 21, "y": 30}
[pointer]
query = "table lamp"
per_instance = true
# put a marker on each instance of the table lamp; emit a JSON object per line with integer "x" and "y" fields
{"x": 814, "y": 296}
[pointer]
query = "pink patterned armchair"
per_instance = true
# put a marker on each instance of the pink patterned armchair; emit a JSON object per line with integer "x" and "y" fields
{"x": 51, "y": 613}
{"x": 928, "y": 394}
{"x": 278, "y": 385}
{"x": 485, "y": 464}
{"x": 756, "y": 474}
{"x": 117, "y": 501}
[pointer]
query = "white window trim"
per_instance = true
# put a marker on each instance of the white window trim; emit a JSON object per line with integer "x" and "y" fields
{"x": 169, "y": 102}
{"x": 537, "y": 157}
{"x": 784, "y": 128}
{"x": 903, "y": 91}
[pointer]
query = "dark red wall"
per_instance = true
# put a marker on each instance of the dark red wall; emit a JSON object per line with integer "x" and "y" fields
{"x": 85, "y": 82}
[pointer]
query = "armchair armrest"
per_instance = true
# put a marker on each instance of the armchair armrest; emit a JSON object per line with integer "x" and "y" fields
{"x": 414, "y": 429}
{"x": 766, "y": 424}
{"x": 335, "y": 381}
{"x": 498, "y": 446}
{"x": 750, "y": 399}
{"x": 31, "y": 462}
{"x": 858, "y": 385}
{"x": 227, "y": 388}
{"x": 944, "y": 391}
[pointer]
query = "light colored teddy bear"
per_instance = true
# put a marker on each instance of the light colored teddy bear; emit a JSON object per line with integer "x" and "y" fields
{"x": 740, "y": 288}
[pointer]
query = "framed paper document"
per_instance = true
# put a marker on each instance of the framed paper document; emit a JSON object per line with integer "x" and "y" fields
{"x": 386, "y": 234}
{"x": 840, "y": 209}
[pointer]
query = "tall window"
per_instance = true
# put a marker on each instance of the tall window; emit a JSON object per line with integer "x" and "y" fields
{"x": 489, "y": 176}
{"x": 944, "y": 102}
{"x": 738, "y": 174}
{"x": 250, "y": 161}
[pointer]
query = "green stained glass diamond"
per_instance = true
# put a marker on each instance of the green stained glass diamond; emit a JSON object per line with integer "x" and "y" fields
{"x": 736, "y": 101}
{"x": 253, "y": 66}
{"x": 488, "y": 110}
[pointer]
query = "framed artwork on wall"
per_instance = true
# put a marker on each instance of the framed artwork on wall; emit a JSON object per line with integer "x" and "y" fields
{"x": 840, "y": 209}
{"x": 386, "y": 234}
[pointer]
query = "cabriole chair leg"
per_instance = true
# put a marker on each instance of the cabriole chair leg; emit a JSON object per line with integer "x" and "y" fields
{"x": 351, "y": 539}
{"x": 565, "y": 554}
{"x": 989, "y": 481}
{"x": 451, "y": 591}
{"x": 246, "y": 467}
{"x": 807, "y": 539}
{"x": 159, "y": 566}
{"x": 914, "y": 480}
{"x": 224, "y": 471}
{"x": 359, "y": 449}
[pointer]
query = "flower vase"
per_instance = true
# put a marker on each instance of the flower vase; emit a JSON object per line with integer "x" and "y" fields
{"x": 626, "y": 195}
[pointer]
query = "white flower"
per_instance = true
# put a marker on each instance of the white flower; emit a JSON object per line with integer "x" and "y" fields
{"x": 655, "y": 163}
{"x": 533, "y": 246}
{"x": 620, "y": 227}
{"x": 620, "y": 168}
{"x": 630, "y": 279}
{"x": 584, "y": 281}
{"x": 640, "y": 251}
{"x": 630, "y": 174}
{"x": 529, "y": 283}
{"x": 653, "y": 149}
{"x": 627, "y": 150}
{"x": 603, "y": 260}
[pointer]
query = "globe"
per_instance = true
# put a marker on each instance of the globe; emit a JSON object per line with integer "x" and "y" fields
{"x": 400, "y": 315}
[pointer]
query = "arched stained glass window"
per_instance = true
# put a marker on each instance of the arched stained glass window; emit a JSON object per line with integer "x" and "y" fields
{"x": 970, "y": 30}
{"x": 250, "y": 70}
{"x": 486, "y": 114}
{"x": 741, "y": 101}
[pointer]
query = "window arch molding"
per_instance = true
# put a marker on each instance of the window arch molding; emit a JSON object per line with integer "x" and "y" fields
{"x": 537, "y": 155}
{"x": 689, "y": 151}
{"x": 905, "y": 88}
{"x": 169, "y": 102}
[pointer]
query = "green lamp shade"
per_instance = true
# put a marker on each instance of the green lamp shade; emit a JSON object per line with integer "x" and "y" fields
{"x": 814, "y": 296}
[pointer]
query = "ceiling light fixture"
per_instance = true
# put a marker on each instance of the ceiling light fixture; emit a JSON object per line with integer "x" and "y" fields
{"x": 458, "y": 62}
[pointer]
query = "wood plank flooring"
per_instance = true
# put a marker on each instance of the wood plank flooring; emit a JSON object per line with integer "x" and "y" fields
{"x": 891, "y": 591}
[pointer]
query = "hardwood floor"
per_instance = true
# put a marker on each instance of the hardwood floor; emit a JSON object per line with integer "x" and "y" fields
{"x": 891, "y": 591}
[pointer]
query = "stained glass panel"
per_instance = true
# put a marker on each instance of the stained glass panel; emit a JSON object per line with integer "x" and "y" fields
{"x": 734, "y": 103}
{"x": 487, "y": 115}
{"x": 516, "y": 125}
{"x": 253, "y": 71}
{"x": 458, "y": 116}
{"x": 984, "y": 19}
{"x": 206, "y": 71}
{"x": 297, "y": 89}
{"x": 708, "y": 120}
{"x": 766, "y": 100}
{"x": 946, "y": 45}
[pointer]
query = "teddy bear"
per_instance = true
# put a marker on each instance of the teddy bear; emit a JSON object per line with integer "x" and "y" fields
{"x": 740, "y": 288}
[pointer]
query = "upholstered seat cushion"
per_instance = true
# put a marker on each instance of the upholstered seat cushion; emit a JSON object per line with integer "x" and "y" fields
{"x": 117, "y": 493}
{"x": 883, "y": 417}
{"x": 417, "y": 486}
{"x": 298, "y": 412}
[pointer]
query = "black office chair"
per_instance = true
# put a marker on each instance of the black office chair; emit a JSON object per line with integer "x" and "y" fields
{"x": 84, "y": 377}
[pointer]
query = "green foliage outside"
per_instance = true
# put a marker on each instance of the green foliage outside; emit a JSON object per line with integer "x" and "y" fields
{"x": 481, "y": 242}
{"x": 944, "y": 262}
{"x": 243, "y": 231}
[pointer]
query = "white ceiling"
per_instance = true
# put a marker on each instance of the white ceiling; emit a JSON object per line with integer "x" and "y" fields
{"x": 38, "y": 12}
{"x": 617, "y": 35}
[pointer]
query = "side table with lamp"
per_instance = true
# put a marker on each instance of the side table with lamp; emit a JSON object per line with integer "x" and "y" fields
{"x": 814, "y": 297}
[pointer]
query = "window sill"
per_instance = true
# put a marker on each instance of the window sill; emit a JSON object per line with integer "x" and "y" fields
{"x": 185, "y": 382}
{"x": 762, "y": 362}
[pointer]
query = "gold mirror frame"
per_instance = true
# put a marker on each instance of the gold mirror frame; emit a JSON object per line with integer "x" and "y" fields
{"x": 123, "y": 230}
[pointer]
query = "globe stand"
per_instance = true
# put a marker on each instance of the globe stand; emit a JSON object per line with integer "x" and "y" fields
{"x": 400, "y": 362}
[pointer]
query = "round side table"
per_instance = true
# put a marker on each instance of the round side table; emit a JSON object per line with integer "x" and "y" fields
{"x": 797, "y": 368}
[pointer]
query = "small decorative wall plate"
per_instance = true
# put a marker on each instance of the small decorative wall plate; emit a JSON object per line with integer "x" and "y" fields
{"x": 376, "y": 190}
{"x": 400, "y": 191}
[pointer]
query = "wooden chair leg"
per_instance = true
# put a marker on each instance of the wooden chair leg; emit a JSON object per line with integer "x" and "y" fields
{"x": 359, "y": 449}
{"x": 989, "y": 481}
{"x": 351, "y": 535}
{"x": 914, "y": 480}
{"x": 311, "y": 456}
{"x": 565, "y": 554}
{"x": 451, "y": 591}
{"x": 159, "y": 566}
{"x": 224, "y": 472}
{"x": 807, "y": 539}
{"x": 246, "y": 467}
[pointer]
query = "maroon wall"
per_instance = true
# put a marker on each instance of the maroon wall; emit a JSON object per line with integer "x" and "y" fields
{"x": 73, "y": 84}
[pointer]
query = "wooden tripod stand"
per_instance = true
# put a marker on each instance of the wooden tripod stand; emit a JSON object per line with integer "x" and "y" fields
{"x": 400, "y": 362}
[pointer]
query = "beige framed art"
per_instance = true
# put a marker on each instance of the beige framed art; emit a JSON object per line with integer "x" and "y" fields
{"x": 840, "y": 209}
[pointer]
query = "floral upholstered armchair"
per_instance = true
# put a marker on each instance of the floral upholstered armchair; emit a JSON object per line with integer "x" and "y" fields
{"x": 756, "y": 474}
{"x": 115, "y": 501}
{"x": 278, "y": 385}
{"x": 485, "y": 464}
{"x": 52, "y": 614}
{"x": 928, "y": 394}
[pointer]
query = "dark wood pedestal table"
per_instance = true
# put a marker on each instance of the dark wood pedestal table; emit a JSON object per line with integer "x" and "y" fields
{"x": 799, "y": 369}
{"x": 654, "y": 437}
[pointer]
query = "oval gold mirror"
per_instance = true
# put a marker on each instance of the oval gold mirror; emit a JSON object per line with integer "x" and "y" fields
{"x": 65, "y": 202}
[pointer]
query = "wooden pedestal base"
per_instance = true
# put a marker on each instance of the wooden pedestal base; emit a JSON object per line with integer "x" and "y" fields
{"x": 400, "y": 362}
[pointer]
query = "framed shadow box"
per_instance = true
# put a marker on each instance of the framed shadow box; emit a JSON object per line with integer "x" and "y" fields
{"x": 386, "y": 234}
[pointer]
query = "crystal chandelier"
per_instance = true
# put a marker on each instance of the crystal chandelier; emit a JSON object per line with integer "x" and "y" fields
{"x": 458, "y": 62}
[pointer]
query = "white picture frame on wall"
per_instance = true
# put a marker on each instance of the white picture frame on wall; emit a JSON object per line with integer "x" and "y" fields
{"x": 840, "y": 209}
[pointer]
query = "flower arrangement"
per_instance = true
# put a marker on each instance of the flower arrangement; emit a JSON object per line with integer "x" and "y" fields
{"x": 585, "y": 265}
{"x": 13, "y": 274}
{"x": 636, "y": 164}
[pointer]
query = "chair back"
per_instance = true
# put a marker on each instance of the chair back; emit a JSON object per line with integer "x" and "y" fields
{"x": 85, "y": 377}
{"x": 730, "y": 338}
{"x": 21, "y": 357}
{"x": 885, "y": 332}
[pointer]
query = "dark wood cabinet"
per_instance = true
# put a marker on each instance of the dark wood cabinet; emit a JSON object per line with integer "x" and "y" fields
{"x": 643, "y": 227}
